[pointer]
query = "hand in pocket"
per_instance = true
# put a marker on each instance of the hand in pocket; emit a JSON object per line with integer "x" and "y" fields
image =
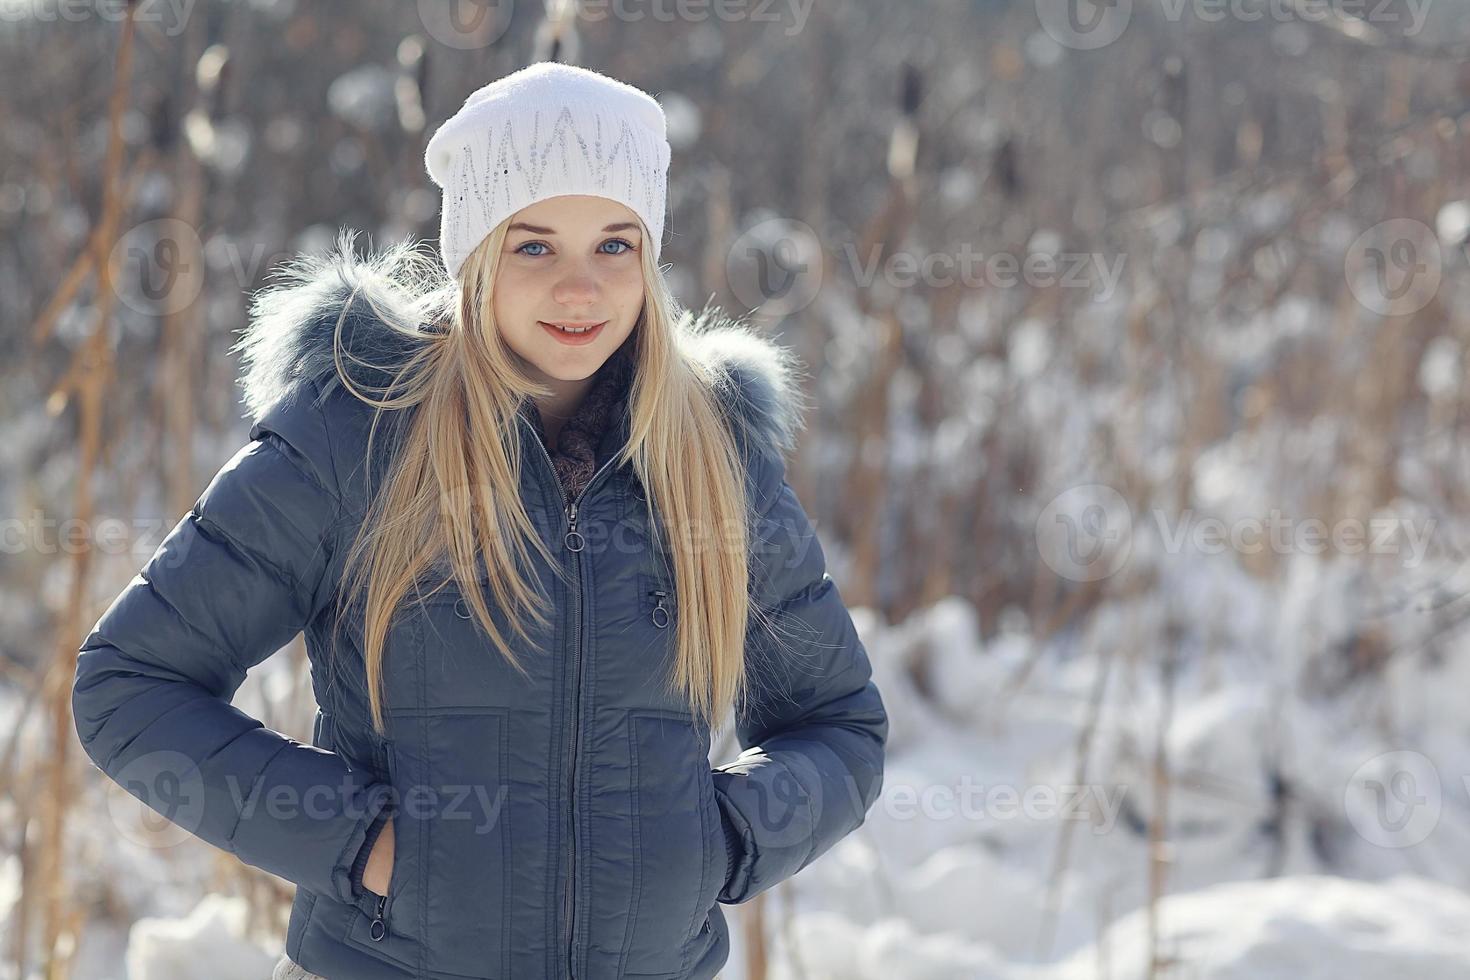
{"x": 377, "y": 876}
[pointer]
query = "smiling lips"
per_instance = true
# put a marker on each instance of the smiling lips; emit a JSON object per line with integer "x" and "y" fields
{"x": 574, "y": 333}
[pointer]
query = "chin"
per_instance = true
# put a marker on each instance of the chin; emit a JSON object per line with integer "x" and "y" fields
{"x": 570, "y": 365}
{"x": 568, "y": 373}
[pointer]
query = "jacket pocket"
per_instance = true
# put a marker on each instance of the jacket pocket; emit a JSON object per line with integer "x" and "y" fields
{"x": 672, "y": 839}
{"x": 716, "y": 851}
{"x": 385, "y": 925}
{"x": 455, "y": 798}
{"x": 454, "y": 664}
{"x": 656, "y": 596}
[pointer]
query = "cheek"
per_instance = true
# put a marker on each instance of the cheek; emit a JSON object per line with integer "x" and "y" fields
{"x": 627, "y": 285}
{"x": 515, "y": 293}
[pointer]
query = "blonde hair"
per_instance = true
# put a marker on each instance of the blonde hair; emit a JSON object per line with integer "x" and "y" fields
{"x": 452, "y": 491}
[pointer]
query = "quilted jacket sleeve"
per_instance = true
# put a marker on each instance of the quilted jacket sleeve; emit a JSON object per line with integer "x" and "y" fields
{"x": 813, "y": 728}
{"x": 241, "y": 574}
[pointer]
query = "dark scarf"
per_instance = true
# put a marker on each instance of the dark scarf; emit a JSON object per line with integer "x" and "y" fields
{"x": 583, "y": 444}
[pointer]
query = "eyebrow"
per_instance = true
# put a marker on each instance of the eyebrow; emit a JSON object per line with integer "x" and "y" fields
{"x": 537, "y": 230}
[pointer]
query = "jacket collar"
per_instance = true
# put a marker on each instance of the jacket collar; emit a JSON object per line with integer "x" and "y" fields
{"x": 386, "y": 297}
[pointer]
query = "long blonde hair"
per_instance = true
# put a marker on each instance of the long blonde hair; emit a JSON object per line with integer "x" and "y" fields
{"x": 452, "y": 492}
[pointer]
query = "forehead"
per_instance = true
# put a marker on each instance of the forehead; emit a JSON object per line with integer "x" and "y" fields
{"x": 574, "y": 213}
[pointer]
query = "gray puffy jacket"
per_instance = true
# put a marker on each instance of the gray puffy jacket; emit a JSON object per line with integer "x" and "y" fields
{"x": 568, "y": 825}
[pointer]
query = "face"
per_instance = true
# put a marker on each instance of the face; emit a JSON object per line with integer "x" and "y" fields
{"x": 569, "y": 261}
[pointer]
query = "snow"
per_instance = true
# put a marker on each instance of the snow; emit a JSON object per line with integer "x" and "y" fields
{"x": 1305, "y": 927}
{"x": 1297, "y": 847}
{"x": 1452, "y": 223}
{"x": 212, "y": 934}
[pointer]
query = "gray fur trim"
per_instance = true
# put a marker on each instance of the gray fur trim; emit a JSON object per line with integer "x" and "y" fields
{"x": 383, "y": 300}
{"x": 757, "y": 377}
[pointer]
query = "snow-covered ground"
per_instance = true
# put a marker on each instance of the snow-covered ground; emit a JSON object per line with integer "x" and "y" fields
{"x": 1306, "y": 837}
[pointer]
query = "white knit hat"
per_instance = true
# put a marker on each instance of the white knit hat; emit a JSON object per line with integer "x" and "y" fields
{"x": 543, "y": 131}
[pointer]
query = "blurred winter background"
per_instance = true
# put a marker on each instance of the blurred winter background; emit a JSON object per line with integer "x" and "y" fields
{"x": 1136, "y": 335}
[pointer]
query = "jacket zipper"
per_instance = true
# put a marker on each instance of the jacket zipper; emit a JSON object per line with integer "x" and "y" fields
{"x": 378, "y": 928}
{"x": 571, "y": 535}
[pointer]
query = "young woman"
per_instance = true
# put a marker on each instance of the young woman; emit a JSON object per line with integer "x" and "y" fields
{"x": 535, "y": 525}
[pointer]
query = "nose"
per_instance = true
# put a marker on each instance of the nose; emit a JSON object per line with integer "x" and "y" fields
{"x": 576, "y": 288}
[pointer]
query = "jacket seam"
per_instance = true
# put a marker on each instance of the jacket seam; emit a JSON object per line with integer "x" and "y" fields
{"x": 214, "y": 645}
{"x": 802, "y": 593}
{"x": 336, "y": 489}
{"x": 112, "y": 756}
{"x": 335, "y": 492}
{"x": 240, "y": 813}
{"x": 201, "y": 520}
{"x": 329, "y": 537}
{"x": 314, "y": 405}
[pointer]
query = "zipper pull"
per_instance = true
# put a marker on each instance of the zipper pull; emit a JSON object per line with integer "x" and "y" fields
{"x": 379, "y": 928}
{"x": 660, "y": 614}
{"x": 574, "y": 540}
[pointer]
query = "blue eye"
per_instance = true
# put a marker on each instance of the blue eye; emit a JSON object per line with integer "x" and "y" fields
{"x": 627, "y": 247}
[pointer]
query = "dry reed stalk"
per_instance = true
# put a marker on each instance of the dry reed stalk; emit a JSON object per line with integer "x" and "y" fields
{"x": 90, "y": 382}
{"x": 1159, "y": 857}
{"x": 868, "y": 472}
{"x": 1046, "y": 934}
{"x": 757, "y": 955}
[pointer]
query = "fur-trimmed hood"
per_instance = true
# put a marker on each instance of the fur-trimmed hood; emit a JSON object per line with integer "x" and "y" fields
{"x": 385, "y": 297}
